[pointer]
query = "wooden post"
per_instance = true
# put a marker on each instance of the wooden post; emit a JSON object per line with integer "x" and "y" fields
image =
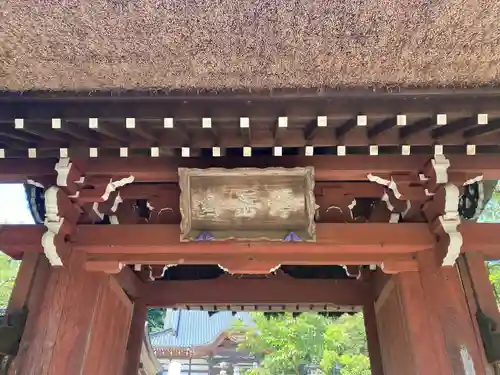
{"x": 425, "y": 325}
{"x": 372, "y": 339}
{"x": 78, "y": 327}
{"x": 135, "y": 339}
{"x": 31, "y": 278}
{"x": 479, "y": 293}
{"x": 474, "y": 273}
{"x": 406, "y": 336}
{"x": 446, "y": 301}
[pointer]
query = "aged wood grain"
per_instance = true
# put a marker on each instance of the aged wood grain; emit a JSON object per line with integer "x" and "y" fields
{"x": 247, "y": 203}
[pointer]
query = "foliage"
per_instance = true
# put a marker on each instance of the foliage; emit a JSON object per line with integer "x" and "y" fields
{"x": 155, "y": 320}
{"x": 491, "y": 213}
{"x": 286, "y": 343}
{"x": 345, "y": 345}
{"x": 494, "y": 273}
{"x": 8, "y": 273}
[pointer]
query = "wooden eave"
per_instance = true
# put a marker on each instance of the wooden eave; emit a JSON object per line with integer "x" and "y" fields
{"x": 42, "y": 125}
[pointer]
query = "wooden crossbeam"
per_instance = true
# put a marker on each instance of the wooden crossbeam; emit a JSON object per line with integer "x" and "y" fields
{"x": 165, "y": 239}
{"x": 327, "y": 168}
{"x": 331, "y": 238}
{"x": 274, "y": 290}
{"x": 481, "y": 237}
{"x": 165, "y": 169}
{"x": 336, "y": 244}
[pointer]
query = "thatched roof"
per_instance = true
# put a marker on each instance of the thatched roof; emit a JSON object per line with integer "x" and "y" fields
{"x": 97, "y": 44}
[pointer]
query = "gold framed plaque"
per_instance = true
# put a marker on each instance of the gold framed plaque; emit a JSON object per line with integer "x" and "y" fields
{"x": 273, "y": 204}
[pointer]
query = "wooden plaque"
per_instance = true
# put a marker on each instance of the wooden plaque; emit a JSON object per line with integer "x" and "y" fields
{"x": 274, "y": 204}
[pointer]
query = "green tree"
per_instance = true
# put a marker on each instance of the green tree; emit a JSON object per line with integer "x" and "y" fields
{"x": 8, "y": 273}
{"x": 155, "y": 320}
{"x": 286, "y": 343}
{"x": 345, "y": 345}
{"x": 494, "y": 274}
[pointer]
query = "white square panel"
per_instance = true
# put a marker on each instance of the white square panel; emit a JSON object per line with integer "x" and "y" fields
{"x": 438, "y": 150}
{"x": 32, "y": 153}
{"x": 362, "y": 120}
{"x": 482, "y": 119}
{"x": 63, "y": 152}
{"x": 155, "y": 152}
{"x": 373, "y": 150}
{"x": 247, "y": 151}
{"x": 185, "y": 152}
{"x": 206, "y": 122}
{"x": 244, "y": 122}
{"x": 309, "y": 151}
{"x": 93, "y": 152}
{"x": 282, "y": 122}
{"x": 19, "y": 123}
{"x": 441, "y": 119}
{"x": 130, "y": 123}
{"x": 401, "y": 120}
{"x": 123, "y": 152}
{"x": 216, "y": 152}
{"x": 56, "y": 123}
{"x": 405, "y": 150}
{"x": 168, "y": 122}
{"x": 341, "y": 150}
{"x": 93, "y": 123}
{"x": 322, "y": 121}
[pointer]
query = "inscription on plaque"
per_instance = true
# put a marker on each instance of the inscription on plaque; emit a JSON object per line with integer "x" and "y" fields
{"x": 247, "y": 203}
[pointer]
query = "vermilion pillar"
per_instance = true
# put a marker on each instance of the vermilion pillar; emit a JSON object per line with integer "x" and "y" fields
{"x": 79, "y": 326}
{"x": 425, "y": 326}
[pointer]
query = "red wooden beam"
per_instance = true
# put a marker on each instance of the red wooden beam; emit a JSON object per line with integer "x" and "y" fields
{"x": 327, "y": 168}
{"x": 275, "y": 290}
{"x": 481, "y": 237}
{"x": 159, "y": 244}
{"x": 354, "y": 244}
{"x": 18, "y": 239}
{"x": 331, "y": 238}
{"x": 165, "y": 239}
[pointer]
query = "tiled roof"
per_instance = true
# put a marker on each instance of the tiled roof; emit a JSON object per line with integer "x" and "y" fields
{"x": 188, "y": 328}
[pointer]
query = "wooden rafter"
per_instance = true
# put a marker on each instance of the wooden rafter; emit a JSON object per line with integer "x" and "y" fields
{"x": 471, "y": 115}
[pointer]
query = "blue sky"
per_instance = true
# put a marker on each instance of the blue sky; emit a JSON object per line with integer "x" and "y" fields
{"x": 13, "y": 205}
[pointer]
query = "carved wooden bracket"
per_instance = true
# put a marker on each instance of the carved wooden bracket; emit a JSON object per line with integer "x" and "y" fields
{"x": 395, "y": 197}
{"x": 61, "y": 211}
{"x": 441, "y": 210}
{"x": 249, "y": 267}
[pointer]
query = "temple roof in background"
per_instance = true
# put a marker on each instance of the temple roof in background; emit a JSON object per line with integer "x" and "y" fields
{"x": 228, "y": 44}
{"x": 187, "y": 328}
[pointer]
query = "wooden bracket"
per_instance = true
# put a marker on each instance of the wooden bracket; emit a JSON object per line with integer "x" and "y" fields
{"x": 249, "y": 267}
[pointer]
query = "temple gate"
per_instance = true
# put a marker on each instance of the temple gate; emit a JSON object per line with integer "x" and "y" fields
{"x": 300, "y": 201}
